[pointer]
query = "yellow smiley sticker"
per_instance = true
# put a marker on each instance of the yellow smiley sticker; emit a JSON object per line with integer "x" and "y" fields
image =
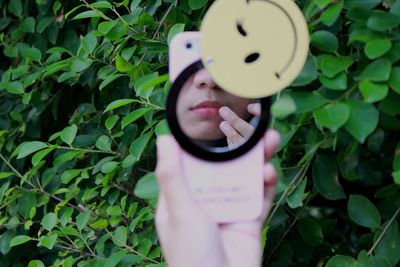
{"x": 254, "y": 48}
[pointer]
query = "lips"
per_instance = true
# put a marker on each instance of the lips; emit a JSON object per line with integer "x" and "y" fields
{"x": 207, "y": 108}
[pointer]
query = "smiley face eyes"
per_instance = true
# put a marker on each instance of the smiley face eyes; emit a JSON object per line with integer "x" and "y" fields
{"x": 253, "y": 57}
{"x": 240, "y": 29}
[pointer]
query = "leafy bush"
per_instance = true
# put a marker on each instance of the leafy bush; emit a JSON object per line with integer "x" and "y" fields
{"x": 82, "y": 99}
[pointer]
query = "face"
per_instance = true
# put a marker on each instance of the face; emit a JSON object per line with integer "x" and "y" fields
{"x": 254, "y": 48}
{"x": 199, "y": 104}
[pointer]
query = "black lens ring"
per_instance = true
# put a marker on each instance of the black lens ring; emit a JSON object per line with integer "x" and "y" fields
{"x": 198, "y": 151}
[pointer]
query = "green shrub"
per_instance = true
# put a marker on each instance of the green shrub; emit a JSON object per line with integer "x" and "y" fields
{"x": 82, "y": 98}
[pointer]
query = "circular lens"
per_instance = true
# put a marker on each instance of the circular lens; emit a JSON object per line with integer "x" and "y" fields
{"x": 211, "y": 123}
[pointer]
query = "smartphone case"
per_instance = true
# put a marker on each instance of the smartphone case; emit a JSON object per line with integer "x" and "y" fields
{"x": 229, "y": 191}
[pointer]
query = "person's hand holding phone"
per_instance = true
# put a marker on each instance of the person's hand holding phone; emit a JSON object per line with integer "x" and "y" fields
{"x": 187, "y": 235}
{"x": 236, "y": 129}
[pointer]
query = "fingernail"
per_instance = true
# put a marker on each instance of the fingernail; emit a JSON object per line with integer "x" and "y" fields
{"x": 223, "y": 126}
{"x": 224, "y": 112}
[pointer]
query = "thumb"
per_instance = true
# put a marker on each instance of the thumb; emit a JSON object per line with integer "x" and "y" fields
{"x": 169, "y": 173}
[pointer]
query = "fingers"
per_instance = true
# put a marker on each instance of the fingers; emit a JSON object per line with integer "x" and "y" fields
{"x": 173, "y": 187}
{"x": 270, "y": 181}
{"x": 254, "y": 109}
{"x": 271, "y": 140}
{"x": 233, "y": 137}
{"x": 241, "y": 126}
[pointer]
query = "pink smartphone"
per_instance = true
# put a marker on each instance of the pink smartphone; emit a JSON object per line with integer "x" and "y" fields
{"x": 228, "y": 190}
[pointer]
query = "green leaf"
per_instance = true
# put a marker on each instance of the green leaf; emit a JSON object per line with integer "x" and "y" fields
{"x": 383, "y": 21}
{"x": 147, "y": 187}
{"x": 369, "y": 4}
{"x": 322, "y": 3}
{"x": 36, "y": 263}
{"x": 363, "y": 120}
{"x": 40, "y": 155}
{"x": 114, "y": 259}
{"x": 79, "y": 65}
{"x": 396, "y": 177}
{"x": 82, "y": 219}
{"x": 68, "y": 175}
{"x": 48, "y": 241}
{"x": 106, "y": 26}
{"x": 119, "y": 103}
{"x": 137, "y": 147}
{"x": 100, "y": 224}
{"x": 295, "y": 199}
{"x": 330, "y": 15}
{"x": 4, "y": 175}
{"x": 49, "y": 221}
{"x": 123, "y": 65}
{"x": 378, "y": 71}
{"x": 394, "y": 80}
{"x": 89, "y": 42}
{"x": 283, "y": 107}
{"x": 65, "y": 157}
{"x": 68, "y": 134}
{"x": 338, "y": 82}
{"x": 310, "y": 231}
{"x": 373, "y": 92}
{"x": 15, "y": 7}
{"x": 111, "y": 121}
{"x": 389, "y": 245}
{"x": 174, "y": 30}
{"x": 332, "y": 116}
{"x": 145, "y": 85}
{"x": 363, "y": 212}
{"x": 120, "y": 236}
{"x": 101, "y": 4}
{"x": 109, "y": 167}
{"x": 15, "y": 87}
{"x": 377, "y": 48}
{"x": 29, "y": 148}
{"x": 88, "y": 14}
{"x": 104, "y": 143}
{"x": 308, "y": 74}
{"x": 197, "y": 4}
{"x": 20, "y": 239}
{"x": 162, "y": 128}
{"x": 33, "y": 54}
{"x": 109, "y": 80}
{"x": 332, "y": 65}
{"x": 28, "y": 25}
{"x": 325, "y": 41}
{"x": 341, "y": 261}
{"x": 395, "y": 8}
{"x": 326, "y": 178}
{"x": 133, "y": 116}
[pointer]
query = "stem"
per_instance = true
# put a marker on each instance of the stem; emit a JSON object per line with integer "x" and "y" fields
{"x": 158, "y": 29}
{"x": 17, "y": 173}
{"x": 88, "y": 150}
{"x": 162, "y": 21}
{"x": 299, "y": 176}
{"x": 384, "y": 232}
{"x": 289, "y": 229}
{"x": 101, "y": 13}
{"x": 132, "y": 250}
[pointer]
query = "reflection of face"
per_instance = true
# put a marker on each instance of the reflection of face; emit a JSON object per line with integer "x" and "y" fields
{"x": 198, "y": 104}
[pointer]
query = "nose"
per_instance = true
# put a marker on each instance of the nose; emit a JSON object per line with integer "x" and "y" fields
{"x": 203, "y": 80}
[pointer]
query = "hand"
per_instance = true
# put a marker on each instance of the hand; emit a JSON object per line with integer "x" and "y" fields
{"x": 237, "y": 130}
{"x": 187, "y": 235}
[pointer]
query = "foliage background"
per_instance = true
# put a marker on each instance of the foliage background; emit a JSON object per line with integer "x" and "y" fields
{"x": 82, "y": 95}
